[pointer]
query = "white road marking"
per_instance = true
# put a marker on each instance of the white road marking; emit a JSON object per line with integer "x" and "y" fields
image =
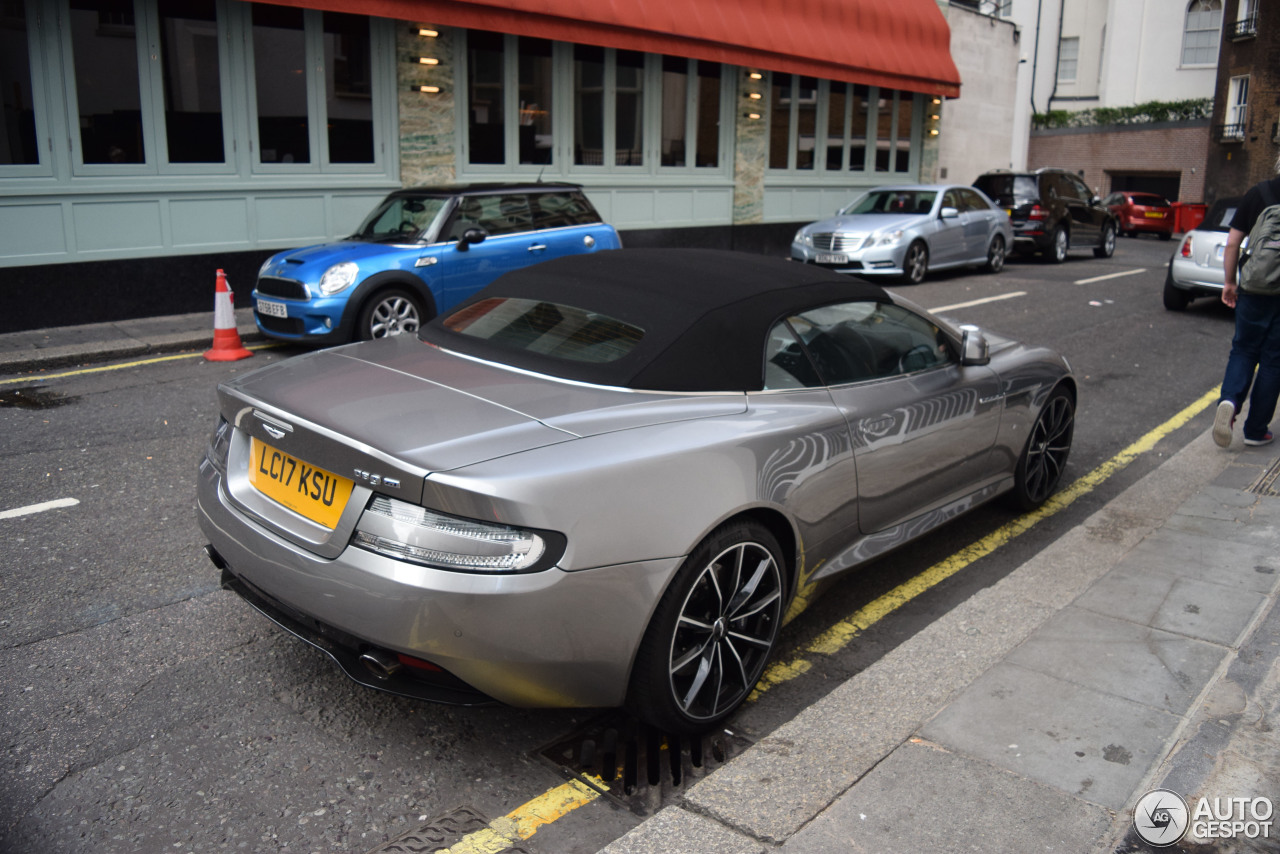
{"x": 39, "y": 508}
{"x": 1111, "y": 276}
{"x": 982, "y": 301}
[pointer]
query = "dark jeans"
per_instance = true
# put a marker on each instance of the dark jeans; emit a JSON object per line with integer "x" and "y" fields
{"x": 1256, "y": 345}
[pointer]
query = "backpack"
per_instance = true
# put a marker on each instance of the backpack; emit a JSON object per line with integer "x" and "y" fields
{"x": 1261, "y": 271}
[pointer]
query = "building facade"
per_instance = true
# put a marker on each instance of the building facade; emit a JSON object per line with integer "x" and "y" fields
{"x": 146, "y": 143}
{"x": 1245, "y": 137}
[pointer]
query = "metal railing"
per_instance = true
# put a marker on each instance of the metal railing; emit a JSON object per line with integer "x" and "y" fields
{"x": 1245, "y": 27}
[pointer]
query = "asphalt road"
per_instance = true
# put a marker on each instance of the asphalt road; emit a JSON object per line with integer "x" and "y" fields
{"x": 145, "y": 709}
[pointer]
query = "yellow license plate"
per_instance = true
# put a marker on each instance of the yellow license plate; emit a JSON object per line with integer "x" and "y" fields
{"x": 310, "y": 491}
{"x": 1155, "y": 215}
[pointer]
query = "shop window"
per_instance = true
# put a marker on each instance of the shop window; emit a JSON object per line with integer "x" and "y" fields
{"x": 862, "y": 127}
{"x": 485, "y": 114}
{"x": 535, "y": 75}
{"x": 192, "y": 81}
{"x": 280, "y": 75}
{"x": 104, "y": 43}
{"x": 348, "y": 88}
{"x": 17, "y": 108}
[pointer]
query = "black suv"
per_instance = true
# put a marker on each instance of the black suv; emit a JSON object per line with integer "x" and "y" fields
{"x": 1051, "y": 211}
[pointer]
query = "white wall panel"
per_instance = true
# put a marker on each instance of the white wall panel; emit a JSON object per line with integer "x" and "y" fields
{"x": 117, "y": 227}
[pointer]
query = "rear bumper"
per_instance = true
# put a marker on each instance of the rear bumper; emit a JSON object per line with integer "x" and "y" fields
{"x": 550, "y": 638}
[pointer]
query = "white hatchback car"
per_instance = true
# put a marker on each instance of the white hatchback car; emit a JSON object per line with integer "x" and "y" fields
{"x": 1195, "y": 270}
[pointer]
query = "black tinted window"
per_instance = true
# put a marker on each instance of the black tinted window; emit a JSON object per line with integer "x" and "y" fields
{"x": 867, "y": 340}
{"x": 558, "y": 210}
{"x": 1006, "y": 189}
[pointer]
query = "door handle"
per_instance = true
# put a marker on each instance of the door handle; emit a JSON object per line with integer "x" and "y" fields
{"x": 537, "y": 247}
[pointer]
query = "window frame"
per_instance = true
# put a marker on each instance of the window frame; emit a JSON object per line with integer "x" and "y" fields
{"x": 564, "y": 117}
{"x": 871, "y": 141}
{"x": 1194, "y": 9}
{"x": 42, "y": 116}
{"x": 1068, "y": 59}
{"x": 1237, "y": 107}
{"x": 317, "y": 108}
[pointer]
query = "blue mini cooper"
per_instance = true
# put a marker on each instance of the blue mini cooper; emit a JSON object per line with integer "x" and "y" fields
{"x": 420, "y": 252}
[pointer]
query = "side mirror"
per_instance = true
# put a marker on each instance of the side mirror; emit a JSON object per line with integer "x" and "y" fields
{"x": 973, "y": 346}
{"x": 471, "y": 235}
{"x": 949, "y": 213}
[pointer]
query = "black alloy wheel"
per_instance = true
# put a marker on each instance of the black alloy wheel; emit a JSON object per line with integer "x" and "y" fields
{"x": 1175, "y": 298}
{"x": 712, "y": 632}
{"x": 1044, "y": 459}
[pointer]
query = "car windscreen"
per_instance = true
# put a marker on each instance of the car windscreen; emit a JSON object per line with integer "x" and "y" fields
{"x": 547, "y": 329}
{"x": 1008, "y": 189}
{"x": 893, "y": 202}
{"x": 401, "y": 217}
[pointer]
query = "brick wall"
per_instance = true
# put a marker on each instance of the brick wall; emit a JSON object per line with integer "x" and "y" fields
{"x": 1159, "y": 150}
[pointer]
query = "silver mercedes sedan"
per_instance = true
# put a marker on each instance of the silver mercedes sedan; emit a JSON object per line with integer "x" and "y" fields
{"x": 905, "y": 231}
{"x": 610, "y": 479}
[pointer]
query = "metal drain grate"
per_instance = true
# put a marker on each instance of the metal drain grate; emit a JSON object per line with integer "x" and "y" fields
{"x": 640, "y": 766}
{"x": 1266, "y": 483}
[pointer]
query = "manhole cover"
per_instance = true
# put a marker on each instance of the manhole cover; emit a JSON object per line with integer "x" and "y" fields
{"x": 440, "y": 834}
{"x": 1266, "y": 483}
{"x": 641, "y": 766}
{"x": 33, "y": 397}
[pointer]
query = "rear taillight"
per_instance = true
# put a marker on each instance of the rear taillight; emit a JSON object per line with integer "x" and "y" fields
{"x": 1185, "y": 251}
{"x": 1037, "y": 212}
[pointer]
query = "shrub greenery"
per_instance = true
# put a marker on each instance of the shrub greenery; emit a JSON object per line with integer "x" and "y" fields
{"x": 1139, "y": 114}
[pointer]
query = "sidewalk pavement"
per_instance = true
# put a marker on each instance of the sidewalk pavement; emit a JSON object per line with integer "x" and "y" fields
{"x": 99, "y": 342}
{"x": 1141, "y": 650}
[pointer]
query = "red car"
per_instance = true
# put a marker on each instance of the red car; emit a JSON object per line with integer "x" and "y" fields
{"x": 1142, "y": 212}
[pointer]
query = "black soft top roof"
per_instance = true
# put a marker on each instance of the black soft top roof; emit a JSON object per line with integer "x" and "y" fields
{"x": 705, "y": 313}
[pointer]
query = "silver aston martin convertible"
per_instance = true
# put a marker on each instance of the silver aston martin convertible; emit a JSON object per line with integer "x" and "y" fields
{"x": 609, "y": 479}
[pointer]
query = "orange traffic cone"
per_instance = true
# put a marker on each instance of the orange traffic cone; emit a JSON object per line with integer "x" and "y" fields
{"x": 227, "y": 346}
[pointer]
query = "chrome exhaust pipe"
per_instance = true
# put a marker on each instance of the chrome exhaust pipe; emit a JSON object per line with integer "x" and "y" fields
{"x": 383, "y": 665}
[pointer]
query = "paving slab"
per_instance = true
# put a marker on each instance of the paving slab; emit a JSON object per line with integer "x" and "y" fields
{"x": 924, "y": 798}
{"x": 1080, "y": 741}
{"x": 1156, "y": 668}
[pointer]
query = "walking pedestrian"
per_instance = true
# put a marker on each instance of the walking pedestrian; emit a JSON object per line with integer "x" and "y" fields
{"x": 1254, "y": 292}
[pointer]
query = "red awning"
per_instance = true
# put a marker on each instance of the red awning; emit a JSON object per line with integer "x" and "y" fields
{"x": 900, "y": 44}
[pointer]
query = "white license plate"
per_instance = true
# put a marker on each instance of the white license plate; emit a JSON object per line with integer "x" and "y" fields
{"x": 833, "y": 259}
{"x": 272, "y": 309}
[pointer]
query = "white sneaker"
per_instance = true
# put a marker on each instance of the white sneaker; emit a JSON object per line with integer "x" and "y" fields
{"x": 1223, "y": 420}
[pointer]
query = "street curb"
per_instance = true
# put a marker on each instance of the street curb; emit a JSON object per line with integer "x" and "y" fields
{"x": 71, "y": 355}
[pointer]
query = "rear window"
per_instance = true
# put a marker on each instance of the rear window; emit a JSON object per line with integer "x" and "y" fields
{"x": 1219, "y": 217}
{"x": 547, "y": 329}
{"x": 559, "y": 210}
{"x": 1006, "y": 189}
{"x": 1151, "y": 201}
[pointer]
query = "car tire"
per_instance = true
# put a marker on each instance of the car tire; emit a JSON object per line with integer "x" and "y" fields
{"x": 1059, "y": 242}
{"x": 915, "y": 264}
{"x": 393, "y": 311}
{"x": 1175, "y": 298}
{"x": 1107, "y": 247}
{"x": 1044, "y": 457}
{"x": 996, "y": 253}
{"x": 711, "y": 634}
{"x": 1166, "y": 235}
